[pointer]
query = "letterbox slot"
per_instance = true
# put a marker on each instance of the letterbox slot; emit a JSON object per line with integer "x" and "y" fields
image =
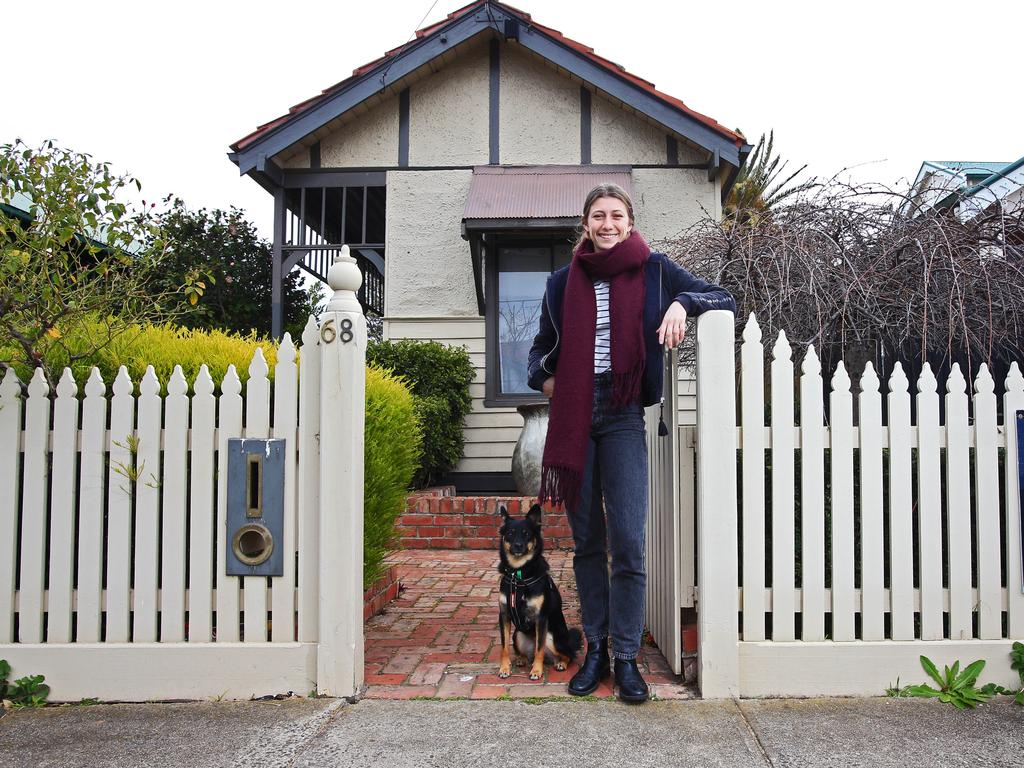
{"x": 254, "y": 477}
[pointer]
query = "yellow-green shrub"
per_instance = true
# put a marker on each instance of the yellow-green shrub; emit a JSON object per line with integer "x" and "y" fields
{"x": 392, "y": 434}
{"x": 136, "y": 346}
{"x": 391, "y": 456}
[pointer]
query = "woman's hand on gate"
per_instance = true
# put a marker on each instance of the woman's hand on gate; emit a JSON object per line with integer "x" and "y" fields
{"x": 549, "y": 387}
{"x": 673, "y": 326}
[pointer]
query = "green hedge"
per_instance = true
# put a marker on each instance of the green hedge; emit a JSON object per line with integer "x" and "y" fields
{"x": 391, "y": 457}
{"x": 439, "y": 377}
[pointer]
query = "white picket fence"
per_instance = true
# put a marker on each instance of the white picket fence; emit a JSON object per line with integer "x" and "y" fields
{"x": 670, "y": 551}
{"x": 112, "y": 557}
{"x": 850, "y": 636}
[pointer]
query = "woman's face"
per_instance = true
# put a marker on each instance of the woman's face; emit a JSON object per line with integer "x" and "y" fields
{"x": 607, "y": 223}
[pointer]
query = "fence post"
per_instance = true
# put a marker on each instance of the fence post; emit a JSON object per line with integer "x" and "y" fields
{"x": 717, "y": 542}
{"x": 342, "y": 413}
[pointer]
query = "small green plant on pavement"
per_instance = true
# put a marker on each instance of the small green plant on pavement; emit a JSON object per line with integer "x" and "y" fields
{"x": 1017, "y": 663}
{"x": 28, "y": 691}
{"x": 955, "y": 687}
{"x": 896, "y": 692}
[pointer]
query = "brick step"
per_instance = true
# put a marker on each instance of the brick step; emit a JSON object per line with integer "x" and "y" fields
{"x": 431, "y": 521}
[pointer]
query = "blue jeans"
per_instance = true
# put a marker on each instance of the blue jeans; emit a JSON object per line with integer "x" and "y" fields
{"x": 612, "y": 514}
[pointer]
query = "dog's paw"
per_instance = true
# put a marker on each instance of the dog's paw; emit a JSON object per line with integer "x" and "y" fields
{"x": 560, "y": 666}
{"x": 536, "y": 674}
{"x": 505, "y": 672}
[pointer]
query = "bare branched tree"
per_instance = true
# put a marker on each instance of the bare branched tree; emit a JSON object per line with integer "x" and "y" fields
{"x": 838, "y": 266}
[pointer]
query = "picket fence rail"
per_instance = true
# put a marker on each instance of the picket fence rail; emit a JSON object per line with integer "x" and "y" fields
{"x": 113, "y": 575}
{"x": 907, "y": 521}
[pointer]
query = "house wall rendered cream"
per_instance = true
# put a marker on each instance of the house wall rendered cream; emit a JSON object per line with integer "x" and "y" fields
{"x": 618, "y": 136}
{"x": 368, "y": 140}
{"x": 449, "y": 114}
{"x": 428, "y": 269}
{"x": 539, "y": 112}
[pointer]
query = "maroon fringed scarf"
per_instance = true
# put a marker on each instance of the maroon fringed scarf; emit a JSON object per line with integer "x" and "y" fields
{"x": 565, "y": 451}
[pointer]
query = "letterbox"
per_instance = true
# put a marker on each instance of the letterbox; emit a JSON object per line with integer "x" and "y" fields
{"x": 255, "y": 515}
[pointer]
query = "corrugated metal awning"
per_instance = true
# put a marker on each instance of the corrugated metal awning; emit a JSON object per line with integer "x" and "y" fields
{"x": 545, "y": 193}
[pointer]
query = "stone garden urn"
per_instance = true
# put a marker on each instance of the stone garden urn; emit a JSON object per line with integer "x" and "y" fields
{"x": 526, "y": 459}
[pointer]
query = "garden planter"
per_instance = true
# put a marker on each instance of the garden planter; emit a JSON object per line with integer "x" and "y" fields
{"x": 529, "y": 451}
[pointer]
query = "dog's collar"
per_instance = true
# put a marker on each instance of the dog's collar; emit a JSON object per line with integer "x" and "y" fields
{"x": 515, "y": 576}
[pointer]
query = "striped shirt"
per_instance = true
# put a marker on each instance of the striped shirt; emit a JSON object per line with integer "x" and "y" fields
{"x": 603, "y": 334}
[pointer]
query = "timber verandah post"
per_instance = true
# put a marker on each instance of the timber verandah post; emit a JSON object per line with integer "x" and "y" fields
{"x": 342, "y": 417}
{"x": 717, "y": 542}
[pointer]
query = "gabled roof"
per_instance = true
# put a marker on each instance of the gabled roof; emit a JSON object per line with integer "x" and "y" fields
{"x": 486, "y": 16}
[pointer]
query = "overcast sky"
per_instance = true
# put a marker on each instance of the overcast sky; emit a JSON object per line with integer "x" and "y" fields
{"x": 161, "y": 90}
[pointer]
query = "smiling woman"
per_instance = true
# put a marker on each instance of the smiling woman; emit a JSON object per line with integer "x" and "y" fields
{"x": 604, "y": 323}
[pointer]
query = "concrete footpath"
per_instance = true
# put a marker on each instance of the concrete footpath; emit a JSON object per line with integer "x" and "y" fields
{"x": 875, "y": 732}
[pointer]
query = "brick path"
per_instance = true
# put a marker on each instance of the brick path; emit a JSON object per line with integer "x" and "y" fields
{"x": 439, "y": 637}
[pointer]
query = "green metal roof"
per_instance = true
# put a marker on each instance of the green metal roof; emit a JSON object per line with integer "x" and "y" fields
{"x": 971, "y": 167}
{"x": 999, "y": 173}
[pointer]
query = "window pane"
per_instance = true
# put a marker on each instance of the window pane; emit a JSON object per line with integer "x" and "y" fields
{"x": 522, "y": 272}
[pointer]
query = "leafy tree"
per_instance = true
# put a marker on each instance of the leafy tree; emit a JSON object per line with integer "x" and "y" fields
{"x": 71, "y": 251}
{"x": 225, "y": 268}
{"x": 756, "y": 190}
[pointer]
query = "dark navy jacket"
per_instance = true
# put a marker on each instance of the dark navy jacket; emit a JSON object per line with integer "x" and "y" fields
{"x": 665, "y": 282}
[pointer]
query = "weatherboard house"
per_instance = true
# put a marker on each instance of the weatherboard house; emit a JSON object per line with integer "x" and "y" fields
{"x": 455, "y": 167}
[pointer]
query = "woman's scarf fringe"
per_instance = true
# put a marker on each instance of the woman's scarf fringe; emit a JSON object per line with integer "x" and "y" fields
{"x": 560, "y": 485}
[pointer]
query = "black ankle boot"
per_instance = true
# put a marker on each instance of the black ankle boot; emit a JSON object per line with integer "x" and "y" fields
{"x": 631, "y": 684}
{"x": 595, "y": 668}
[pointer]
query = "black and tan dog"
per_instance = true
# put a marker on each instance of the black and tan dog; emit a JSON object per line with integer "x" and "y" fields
{"x": 530, "y": 615}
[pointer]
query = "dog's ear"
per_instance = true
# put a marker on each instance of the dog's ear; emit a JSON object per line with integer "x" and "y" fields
{"x": 534, "y": 514}
{"x": 504, "y": 514}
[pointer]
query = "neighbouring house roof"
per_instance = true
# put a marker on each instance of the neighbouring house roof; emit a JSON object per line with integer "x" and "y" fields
{"x": 1002, "y": 171}
{"x": 537, "y": 192}
{"x": 940, "y": 182}
{"x": 251, "y": 152}
{"x": 20, "y": 207}
{"x": 970, "y": 167}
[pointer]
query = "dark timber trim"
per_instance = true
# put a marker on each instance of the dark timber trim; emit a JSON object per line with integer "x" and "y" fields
{"x": 403, "y": 128}
{"x": 475, "y": 243}
{"x": 584, "y": 126}
{"x": 714, "y": 165}
{"x": 269, "y": 168}
{"x": 276, "y": 308}
{"x": 507, "y": 225}
{"x": 494, "y": 105}
{"x": 300, "y": 179}
{"x": 314, "y": 156}
{"x": 734, "y": 172}
{"x": 671, "y": 150}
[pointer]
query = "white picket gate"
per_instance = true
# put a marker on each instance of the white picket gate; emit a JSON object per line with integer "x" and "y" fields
{"x": 112, "y": 557}
{"x": 850, "y": 636}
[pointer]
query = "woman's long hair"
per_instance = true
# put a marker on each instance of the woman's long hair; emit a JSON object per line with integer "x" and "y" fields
{"x": 603, "y": 190}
